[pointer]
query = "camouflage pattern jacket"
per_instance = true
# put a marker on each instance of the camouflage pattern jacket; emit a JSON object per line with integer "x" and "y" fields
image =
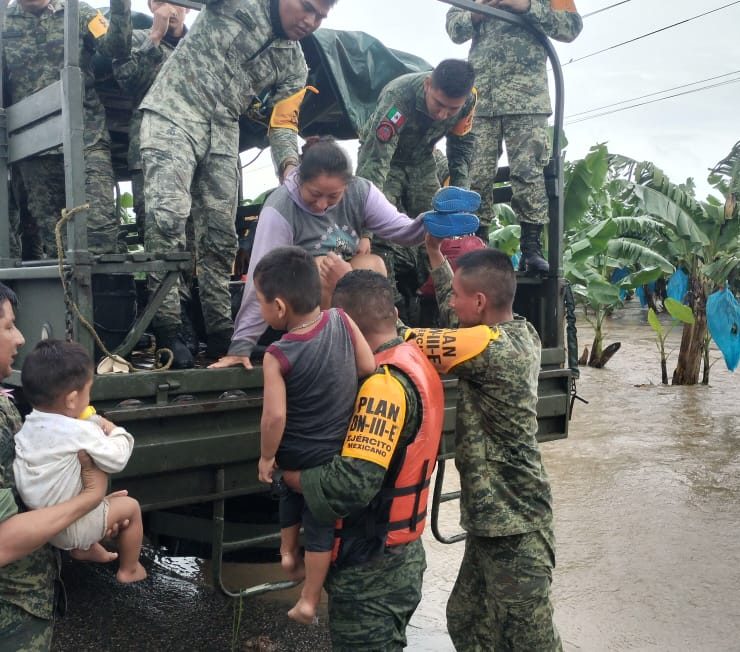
{"x": 504, "y": 487}
{"x": 28, "y": 582}
{"x": 135, "y": 68}
{"x": 509, "y": 61}
{"x": 232, "y": 56}
{"x": 33, "y": 57}
{"x": 400, "y": 132}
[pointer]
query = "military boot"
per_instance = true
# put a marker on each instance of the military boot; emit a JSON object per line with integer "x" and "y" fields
{"x": 218, "y": 343}
{"x": 532, "y": 260}
{"x": 170, "y": 338}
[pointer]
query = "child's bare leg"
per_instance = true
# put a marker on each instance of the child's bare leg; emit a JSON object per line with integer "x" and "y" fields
{"x": 129, "y": 540}
{"x": 95, "y": 553}
{"x": 290, "y": 558}
{"x": 317, "y": 566}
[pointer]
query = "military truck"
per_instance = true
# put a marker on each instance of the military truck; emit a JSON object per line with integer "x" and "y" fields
{"x": 193, "y": 468}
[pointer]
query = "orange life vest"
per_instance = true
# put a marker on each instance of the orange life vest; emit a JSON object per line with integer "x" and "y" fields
{"x": 397, "y": 514}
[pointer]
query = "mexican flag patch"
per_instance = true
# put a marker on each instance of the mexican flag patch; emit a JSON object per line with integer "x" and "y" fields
{"x": 396, "y": 117}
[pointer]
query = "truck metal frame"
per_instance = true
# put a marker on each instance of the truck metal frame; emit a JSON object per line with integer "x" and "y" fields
{"x": 197, "y": 431}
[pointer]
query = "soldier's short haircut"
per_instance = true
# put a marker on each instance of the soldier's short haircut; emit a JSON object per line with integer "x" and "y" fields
{"x": 291, "y": 274}
{"x": 491, "y": 272}
{"x": 454, "y": 77}
{"x": 324, "y": 156}
{"x": 6, "y": 294}
{"x": 367, "y": 297}
{"x": 54, "y": 369}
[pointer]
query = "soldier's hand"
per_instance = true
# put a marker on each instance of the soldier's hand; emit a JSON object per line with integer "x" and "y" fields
{"x": 434, "y": 250}
{"x": 94, "y": 481}
{"x": 232, "y": 361}
{"x": 160, "y": 23}
{"x": 514, "y": 6}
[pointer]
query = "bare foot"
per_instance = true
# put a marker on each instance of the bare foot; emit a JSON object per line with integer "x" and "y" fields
{"x": 304, "y": 612}
{"x": 292, "y": 563}
{"x": 95, "y": 553}
{"x": 125, "y": 576}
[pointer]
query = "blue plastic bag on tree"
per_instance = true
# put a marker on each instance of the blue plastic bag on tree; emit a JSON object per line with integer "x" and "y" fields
{"x": 678, "y": 285}
{"x": 617, "y": 275}
{"x": 723, "y": 319}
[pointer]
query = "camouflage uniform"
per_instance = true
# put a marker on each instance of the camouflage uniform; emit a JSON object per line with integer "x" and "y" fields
{"x": 190, "y": 136}
{"x": 33, "y": 51}
{"x": 135, "y": 68}
{"x": 370, "y": 604}
{"x": 26, "y": 585}
{"x": 399, "y": 160}
{"x": 513, "y": 102}
{"x": 501, "y": 599}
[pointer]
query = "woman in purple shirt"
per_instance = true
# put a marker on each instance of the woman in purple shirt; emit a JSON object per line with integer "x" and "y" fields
{"x": 322, "y": 207}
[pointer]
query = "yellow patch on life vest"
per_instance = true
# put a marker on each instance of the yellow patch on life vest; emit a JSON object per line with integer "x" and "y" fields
{"x": 465, "y": 125}
{"x": 446, "y": 348}
{"x": 563, "y": 5}
{"x": 286, "y": 111}
{"x": 375, "y": 427}
{"x": 98, "y": 25}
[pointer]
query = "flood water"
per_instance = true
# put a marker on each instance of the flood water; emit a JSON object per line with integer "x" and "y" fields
{"x": 647, "y": 513}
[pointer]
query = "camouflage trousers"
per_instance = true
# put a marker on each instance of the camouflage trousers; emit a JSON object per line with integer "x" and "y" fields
{"x": 371, "y": 604}
{"x": 22, "y": 632}
{"x": 410, "y": 188}
{"x": 43, "y": 182}
{"x": 186, "y": 171}
{"x": 527, "y": 148}
{"x": 501, "y": 599}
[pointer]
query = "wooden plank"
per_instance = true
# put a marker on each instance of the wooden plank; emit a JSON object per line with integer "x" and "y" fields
{"x": 42, "y": 104}
{"x": 39, "y": 138}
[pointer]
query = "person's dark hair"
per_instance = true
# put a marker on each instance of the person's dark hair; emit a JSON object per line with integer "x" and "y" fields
{"x": 324, "y": 156}
{"x": 489, "y": 271}
{"x": 454, "y": 77}
{"x": 367, "y": 297}
{"x": 54, "y": 368}
{"x": 290, "y": 273}
{"x": 6, "y": 294}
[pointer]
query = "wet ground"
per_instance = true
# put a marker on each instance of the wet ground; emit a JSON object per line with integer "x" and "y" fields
{"x": 647, "y": 508}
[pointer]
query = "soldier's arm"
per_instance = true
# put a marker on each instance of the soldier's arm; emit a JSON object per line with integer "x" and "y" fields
{"x": 460, "y": 149}
{"x": 116, "y": 43}
{"x": 459, "y": 24}
{"x": 136, "y": 72}
{"x": 380, "y": 136}
{"x": 346, "y": 483}
{"x": 442, "y": 279}
{"x": 562, "y": 23}
{"x": 22, "y": 533}
{"x": 283, "y": 133}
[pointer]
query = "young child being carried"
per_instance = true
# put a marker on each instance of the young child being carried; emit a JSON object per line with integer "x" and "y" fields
{"x": 57, "y": 377}
{"x": 310, "y": 380}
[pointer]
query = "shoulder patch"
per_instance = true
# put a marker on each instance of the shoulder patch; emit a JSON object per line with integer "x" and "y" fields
{"x": 375, "y": 427}
{"x": 98, "y": 25}
{"x": 446, "y": 348}
{"x": 385, "y": 131}
{"x": 397, "y": 118}
{"x": 465, "y": 125}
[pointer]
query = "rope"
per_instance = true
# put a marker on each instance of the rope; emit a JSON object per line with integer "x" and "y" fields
{"x": 70, "y": 302}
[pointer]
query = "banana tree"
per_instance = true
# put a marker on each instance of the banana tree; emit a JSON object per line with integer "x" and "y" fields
{"x": 703, "y": 237}
{"x": 600, "y": 236}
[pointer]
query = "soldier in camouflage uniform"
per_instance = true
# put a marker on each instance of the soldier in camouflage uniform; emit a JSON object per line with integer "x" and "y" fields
{"x": 513, "y": 105}
{"x": 501, "y": 599}
{"x": 413, "y": 113}
{"x": 373, "y": 588}
{"x": 236, "y": 51}
{"x": 33, "y": 56}
{"x": 28, "y": 567}
{"x": 136, "y": 66}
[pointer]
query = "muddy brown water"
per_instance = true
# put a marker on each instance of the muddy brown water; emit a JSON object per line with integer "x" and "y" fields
{"x": 647, "y": 509}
